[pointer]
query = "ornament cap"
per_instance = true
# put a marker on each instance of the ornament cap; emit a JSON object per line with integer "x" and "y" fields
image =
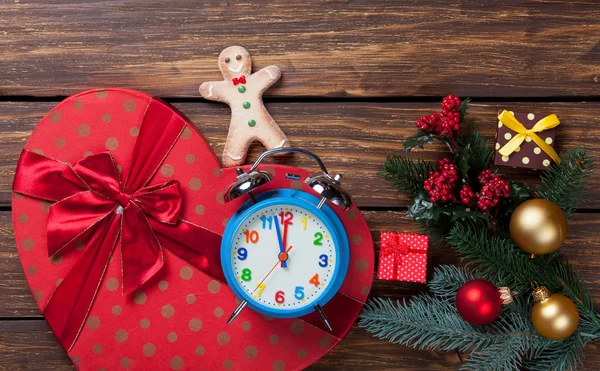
{"x": 505, "y": 295}
{"x": 540, "y": 294}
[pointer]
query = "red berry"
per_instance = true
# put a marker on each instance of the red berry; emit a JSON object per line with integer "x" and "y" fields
{"x": 493, "y": 188}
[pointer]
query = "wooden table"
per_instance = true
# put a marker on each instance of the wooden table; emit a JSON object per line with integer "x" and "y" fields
{"x": 356, "y": 76}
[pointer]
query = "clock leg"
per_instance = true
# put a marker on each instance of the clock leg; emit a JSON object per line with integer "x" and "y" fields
{"x": 237, "y": 311}
{"x": 321, "y": 314}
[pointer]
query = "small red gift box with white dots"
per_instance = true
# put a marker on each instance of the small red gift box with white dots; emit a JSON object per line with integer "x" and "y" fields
{"x": 403, "y": 257}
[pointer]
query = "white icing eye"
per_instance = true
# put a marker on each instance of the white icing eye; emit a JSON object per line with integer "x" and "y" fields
{"x": 227, "y": 60}
{"x": 239, "y": 57}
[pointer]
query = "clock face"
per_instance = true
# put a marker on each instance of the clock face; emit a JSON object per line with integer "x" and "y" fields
{"x": 277, "y": 280}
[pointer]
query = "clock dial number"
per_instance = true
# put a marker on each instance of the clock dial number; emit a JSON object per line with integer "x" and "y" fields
{"x": 251, "y": 236}
{"x": 279, "y": 297}
{"x": 266, "y": 220}
{"x": 318, "y": 239}
{"x": 273, "y": 230}
{"x": 246, "y": 274}
{"x": 299, "y": 293}
{"x": 242, "y": 253}
{"x": 315, "y": 280}
{"x": 323, "y": 261}
{"x": 286, "y": 218}
{"x": 261, "y": 288}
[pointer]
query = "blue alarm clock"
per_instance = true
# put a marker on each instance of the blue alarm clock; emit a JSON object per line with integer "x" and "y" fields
{"x": 285, "y": 253}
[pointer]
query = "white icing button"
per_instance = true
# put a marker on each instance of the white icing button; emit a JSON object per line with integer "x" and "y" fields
{"x": 518, "y": 149}
{"x": 528, "y": 139}
{"x": 549, "y": 140}
{"x": 512, "y": 113}
{"x": 537, "y": 150}
{"x": 530, "y": 116}
{"x": 505, "y": 158}
{"x": 507, "y": 136}
{"x": 525, "y": 160}
{"x": 497, "y": 146}
{"x": 546, "y": 162}
{"x": 499, "y": 124}
{"x": 119, "y": 210}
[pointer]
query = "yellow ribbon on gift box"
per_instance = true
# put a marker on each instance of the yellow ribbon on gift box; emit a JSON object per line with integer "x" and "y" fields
{"x": 512, "y": 123}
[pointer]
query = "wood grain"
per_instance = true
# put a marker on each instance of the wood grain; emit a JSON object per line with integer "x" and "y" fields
{"x": 358, "y": 351}
{"x": 356, "y": 76}
{"x": 333, "y": 48}
{"x": 352, "y": 138}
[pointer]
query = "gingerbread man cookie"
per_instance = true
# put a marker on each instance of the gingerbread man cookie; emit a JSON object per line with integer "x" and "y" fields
{"x": 242, "y": 91}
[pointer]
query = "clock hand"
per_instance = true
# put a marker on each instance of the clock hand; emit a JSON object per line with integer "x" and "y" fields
{"x": 242, "y": 305}
{"x": 285, "y": 230}
{"x": 281, "y": 245}
{"x": 281, "y": 255}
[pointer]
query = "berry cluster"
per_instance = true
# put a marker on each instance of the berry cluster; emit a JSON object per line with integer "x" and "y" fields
{"x": 441, "y": 184}
{"x": 467, "y": 196}
{"x": 493, "y": 188}
{"x": 445, "y": 123}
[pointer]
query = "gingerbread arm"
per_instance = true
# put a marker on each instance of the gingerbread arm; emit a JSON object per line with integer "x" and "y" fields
{"x": 273, "y": 74}
{"x": 214, "y": 90}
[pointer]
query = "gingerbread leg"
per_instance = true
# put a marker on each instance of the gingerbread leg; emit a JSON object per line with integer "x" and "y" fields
{"x": 273, "y": 137}
{"x": 236, "y": 147}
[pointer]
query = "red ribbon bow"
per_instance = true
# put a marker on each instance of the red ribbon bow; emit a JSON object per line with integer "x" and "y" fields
{"x": 91, "y": 204}
{"x": 239, "y": 80}
{"x": 392, "y": 245}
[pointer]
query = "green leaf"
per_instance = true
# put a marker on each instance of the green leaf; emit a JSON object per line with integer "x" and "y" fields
{"x": 421, "y": 207}
{"x": 421, "y": 138}
{"x": 519, "y": 193}
{"x": 459, "y": 212}
{"x": 418, "y": 140}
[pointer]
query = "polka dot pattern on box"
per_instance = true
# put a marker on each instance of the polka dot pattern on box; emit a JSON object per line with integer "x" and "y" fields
{"x": 403, "y": 257}
{"x": 177, "y": 320}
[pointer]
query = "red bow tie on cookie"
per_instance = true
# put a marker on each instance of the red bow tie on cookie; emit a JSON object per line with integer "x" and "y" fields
{"x": 239, "y": 80}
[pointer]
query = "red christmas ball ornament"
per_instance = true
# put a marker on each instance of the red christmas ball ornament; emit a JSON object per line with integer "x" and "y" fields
{"x": 479, "y": 302}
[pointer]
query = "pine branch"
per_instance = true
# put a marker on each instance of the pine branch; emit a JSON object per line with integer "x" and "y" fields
{"x": 434, "y": 323}
{"x": 559, "y": 355}
{"x": 567, "y": 281}
{"x": 426, "y": 323}
{"x": 408, "y": 176}
{"x": 564, "y": 183}
{"x": 497, "y": 259}
{"x": 447, "y": 279}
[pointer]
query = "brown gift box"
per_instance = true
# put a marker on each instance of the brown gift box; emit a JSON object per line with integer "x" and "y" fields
{"x": 528, "y": 154}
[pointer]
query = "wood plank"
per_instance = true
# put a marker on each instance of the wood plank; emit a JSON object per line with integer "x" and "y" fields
{"x": 31, "y": 345}
{"x": 334, "y": 48}
{"x": 352, "y": 138}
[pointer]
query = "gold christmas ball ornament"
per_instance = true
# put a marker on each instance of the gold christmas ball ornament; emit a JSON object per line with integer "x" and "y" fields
{"x": 554, "y": 315}
{"x": 538, "y": 226}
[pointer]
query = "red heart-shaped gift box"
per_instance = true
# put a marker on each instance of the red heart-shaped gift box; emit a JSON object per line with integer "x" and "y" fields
{"x": 176, "y": 317}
